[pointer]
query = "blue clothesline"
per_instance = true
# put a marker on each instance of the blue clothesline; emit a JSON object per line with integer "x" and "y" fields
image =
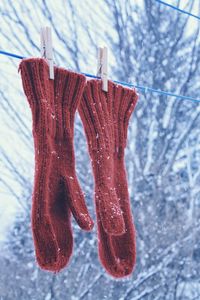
{"x": 178, "y": 9}
{"x": 143, "y": 88}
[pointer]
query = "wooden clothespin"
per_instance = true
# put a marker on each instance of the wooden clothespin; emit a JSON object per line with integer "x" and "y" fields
{"x": 102, "y": 70}
{"x": 47, "y": 48}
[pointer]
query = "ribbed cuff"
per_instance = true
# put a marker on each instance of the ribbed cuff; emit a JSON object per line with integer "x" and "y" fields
{"x": 105, "y": 116}
{"x": 35, "y": 79}
{"x": 95, "y": 115}
{"x": 68, "y": 91}
{"x": 55, "y": 101}
{"x": 38, "y": 90}
{"x": 123, "y": 101}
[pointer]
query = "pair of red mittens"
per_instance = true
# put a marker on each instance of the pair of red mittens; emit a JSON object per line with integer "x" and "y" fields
{"x": 56, "y": 192}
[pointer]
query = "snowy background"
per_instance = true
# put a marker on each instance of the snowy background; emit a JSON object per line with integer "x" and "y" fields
{"x": 151, "y": 45}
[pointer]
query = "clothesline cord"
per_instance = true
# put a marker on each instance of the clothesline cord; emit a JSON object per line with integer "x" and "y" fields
{"x": 140, "y": 87}
{"x": 178, "y": 9}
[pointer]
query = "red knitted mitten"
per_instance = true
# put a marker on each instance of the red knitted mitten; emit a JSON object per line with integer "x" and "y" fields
{"x": 117, "y": 253}
{"x": 100, "y": 136}
{"x": 56, "y": 189}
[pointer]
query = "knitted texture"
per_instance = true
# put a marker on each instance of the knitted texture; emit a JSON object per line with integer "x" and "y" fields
{"x": 100, "y": 135}
{"x": 105, "y": 118}
{"x": 56, "y": 190}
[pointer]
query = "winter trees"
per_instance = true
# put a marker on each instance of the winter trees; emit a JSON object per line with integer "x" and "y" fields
{"x": 150, "y": 45}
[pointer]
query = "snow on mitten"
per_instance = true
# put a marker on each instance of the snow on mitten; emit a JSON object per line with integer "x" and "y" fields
{"x": 100, "y": 137}
{"x": 64, "y": 190}
{"x": 117, "y": 253}
{"x": 56, "y": 190}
